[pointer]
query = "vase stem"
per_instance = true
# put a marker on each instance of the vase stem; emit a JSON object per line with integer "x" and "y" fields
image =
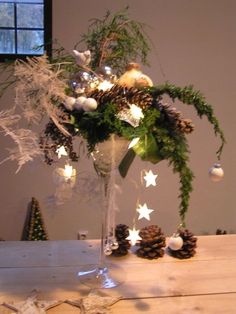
{"x": 104, "y": 215}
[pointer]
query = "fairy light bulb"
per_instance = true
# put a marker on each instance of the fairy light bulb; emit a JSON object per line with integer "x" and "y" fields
{"x": 69, "y": 171}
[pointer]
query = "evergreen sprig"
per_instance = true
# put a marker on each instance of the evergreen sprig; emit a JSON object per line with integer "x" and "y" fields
{"x": 189, "y": 96}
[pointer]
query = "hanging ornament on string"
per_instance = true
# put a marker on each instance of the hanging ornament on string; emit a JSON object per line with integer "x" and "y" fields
{"x": 185, "y": 248}
{"x": 216, "y": 173}
{"x": 175, "y": 242}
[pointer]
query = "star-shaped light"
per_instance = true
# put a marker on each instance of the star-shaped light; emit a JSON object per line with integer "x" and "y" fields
{"x": 150, "y": 178}
{"x": 133, "y": 236}
{"x": 144, "y": 211}
{"x": 61, "y": 152}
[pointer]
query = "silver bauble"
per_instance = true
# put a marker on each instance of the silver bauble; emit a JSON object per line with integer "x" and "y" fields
{"x": 83, "y": 76}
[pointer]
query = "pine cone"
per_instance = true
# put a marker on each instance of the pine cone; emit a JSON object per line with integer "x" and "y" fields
{"x": 121, "y": 233}
{"x": 152, "y": 244}
{"x": 122, "y": 97}
{"x": 189, "y": 246}
{"x": 175, "y": 118}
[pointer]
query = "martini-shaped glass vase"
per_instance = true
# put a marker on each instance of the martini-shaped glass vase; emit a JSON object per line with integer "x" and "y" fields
{"x": 106, "y": 157}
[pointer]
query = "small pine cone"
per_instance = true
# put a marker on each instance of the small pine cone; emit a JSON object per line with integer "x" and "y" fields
{"x": 185, "y": 126}
{"x": 121, "y": 233}
{"x": 153, "y": 242}
{"x": 189, "y": 245}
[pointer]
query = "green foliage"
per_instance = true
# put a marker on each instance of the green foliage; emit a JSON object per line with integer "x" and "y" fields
{"x": 189, "y": 96}
{"x": 159, "y": 140}
{"x": 116, "y": 40}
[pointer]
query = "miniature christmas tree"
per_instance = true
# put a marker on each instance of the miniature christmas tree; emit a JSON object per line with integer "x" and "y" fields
{"x": 34, "y": 229}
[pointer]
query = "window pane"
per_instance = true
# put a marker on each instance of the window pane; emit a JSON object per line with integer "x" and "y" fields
{"x": 6, "y": 15}
{"x": 7, "y": 41}
{"x": 30, "y": 15}
{"x": 28, "y": 42}
{"x": 24, "y": 1}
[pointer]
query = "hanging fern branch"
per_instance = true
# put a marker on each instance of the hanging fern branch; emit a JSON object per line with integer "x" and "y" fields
{"x": 189, "y": 96}
{"x": 116, "y": 40}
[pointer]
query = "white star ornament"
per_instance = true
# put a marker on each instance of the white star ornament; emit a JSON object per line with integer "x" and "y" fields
{"x": 150, "y": 178}
{"x": 144, "y": 211}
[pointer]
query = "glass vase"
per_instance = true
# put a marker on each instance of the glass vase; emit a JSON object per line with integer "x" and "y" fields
{"x": 106, "y": 158}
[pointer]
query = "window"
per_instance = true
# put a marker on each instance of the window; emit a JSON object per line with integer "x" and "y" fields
{"x": 25, "y": 28}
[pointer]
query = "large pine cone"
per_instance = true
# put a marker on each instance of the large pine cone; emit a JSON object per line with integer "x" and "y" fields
{"x": 189, "y": 246}
{"x": 121, "y": 233}
{"x": 153, "y": 242}
{"x": 122, "y": 97}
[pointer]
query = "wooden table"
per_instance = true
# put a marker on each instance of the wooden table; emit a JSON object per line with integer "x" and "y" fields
{"x": 205, "y": 283}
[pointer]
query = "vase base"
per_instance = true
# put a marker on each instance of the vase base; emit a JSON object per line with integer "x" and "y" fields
{"x": 97, "y": 277}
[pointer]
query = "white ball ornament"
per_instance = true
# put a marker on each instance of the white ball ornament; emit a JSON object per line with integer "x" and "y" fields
{"x": 90, "y": 104}
{"x": 79, "y": 102}
{"x": 216, "y": 173}
{"x": 69, "y": 102}
{"x": 175, "y": 243}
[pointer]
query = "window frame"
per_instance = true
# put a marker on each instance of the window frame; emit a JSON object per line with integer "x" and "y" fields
{"x": 47, "y": 28}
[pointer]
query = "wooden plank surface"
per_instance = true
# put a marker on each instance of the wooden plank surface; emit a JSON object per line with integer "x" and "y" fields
{"x": 190, "y": 286}
{"x": 204, "y": 304}
{"x": 154, "y": 280}
{"x": 72, "y": 253}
